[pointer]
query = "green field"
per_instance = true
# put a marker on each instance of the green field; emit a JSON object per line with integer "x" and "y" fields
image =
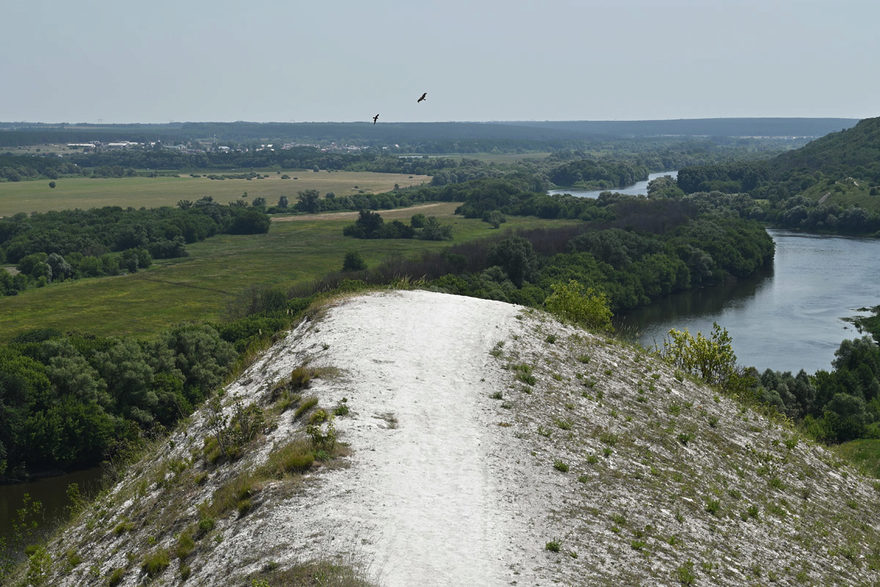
{"x": 152, "y": 192}
{"x": 218, "y": 272}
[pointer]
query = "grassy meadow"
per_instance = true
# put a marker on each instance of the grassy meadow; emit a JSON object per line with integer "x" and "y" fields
{"x": 218, "y": 271}
{"x": 153, "y": 192}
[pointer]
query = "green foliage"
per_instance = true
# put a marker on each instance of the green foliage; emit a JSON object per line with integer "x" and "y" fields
{"x": 228, "y": 435}
{"x": 353, "y": 262}
{"x": 306, "y": 405}
{"x": 712, "y": 359}
{"x": 155, "y": 562}
{"x": 584, "y": 306}
{"x": 552, "y": 546}
{"x": 296, "y": 456}
{"x": 321, "y": 430}
{"x": 684, "y": 574}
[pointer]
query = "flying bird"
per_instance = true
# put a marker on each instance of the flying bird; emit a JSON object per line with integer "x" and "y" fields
{"x": 375, "y": 118}
{"x": 422, "y": 99}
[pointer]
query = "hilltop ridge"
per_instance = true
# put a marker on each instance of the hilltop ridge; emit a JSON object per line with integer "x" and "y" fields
{"x": 484, "y": 443}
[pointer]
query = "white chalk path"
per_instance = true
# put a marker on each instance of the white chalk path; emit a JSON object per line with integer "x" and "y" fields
{"x": 419, "y": 481}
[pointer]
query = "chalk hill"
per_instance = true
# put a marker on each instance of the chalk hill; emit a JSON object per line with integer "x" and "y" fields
{"x": 485, "y": 444}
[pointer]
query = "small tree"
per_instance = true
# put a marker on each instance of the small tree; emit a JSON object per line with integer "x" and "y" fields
{"x": 711, "y": 359}
{"x": 584, "y": 306}
{"x": 52, "y": 184}
{"x": 353, "y": 262}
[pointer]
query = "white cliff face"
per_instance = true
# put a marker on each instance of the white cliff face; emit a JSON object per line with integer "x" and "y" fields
{"x": 489, "y": 444}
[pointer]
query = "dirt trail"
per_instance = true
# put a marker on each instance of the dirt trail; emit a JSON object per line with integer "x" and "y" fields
{"x": 419, "y": 500}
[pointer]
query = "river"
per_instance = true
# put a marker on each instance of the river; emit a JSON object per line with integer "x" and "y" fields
{"x": 788, "y": 318}
{"x": 636, "y": 189}
{"x": 51, "y": 492}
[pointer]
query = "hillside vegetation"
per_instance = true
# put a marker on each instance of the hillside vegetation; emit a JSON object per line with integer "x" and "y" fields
{"x": 831, "y": 184}
{"x": 468, "y": 441}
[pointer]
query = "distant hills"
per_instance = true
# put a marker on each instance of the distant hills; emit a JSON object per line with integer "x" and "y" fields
{"x": 852, "y": 153}
{"x": 527, "y": 134}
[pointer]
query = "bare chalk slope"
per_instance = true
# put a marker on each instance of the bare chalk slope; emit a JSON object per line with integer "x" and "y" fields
{"x": 489, "y": 444}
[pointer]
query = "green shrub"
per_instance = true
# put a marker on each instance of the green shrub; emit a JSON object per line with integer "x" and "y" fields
{"x": 584, "y": 306}
{"x": 685, "y": 573}
{"x": 560, "y": 466}
{"x": 321, "y": 430}
{"x": 524, "y": 373}
{"x": 306, "y": 405}
{"x": 156, "y": 562}
{"x": 185, "y": 545}
{"x": 552, "y": 546}
{"x": 712, "y": 359}
{"x": 294, "y": 457}
{"x": 115, "y": 577}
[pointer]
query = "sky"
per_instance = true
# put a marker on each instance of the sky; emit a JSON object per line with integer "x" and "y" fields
{"x": 117, "y": 61}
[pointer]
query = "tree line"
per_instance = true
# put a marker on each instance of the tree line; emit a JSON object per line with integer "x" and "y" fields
{"x": 70, "y": 244}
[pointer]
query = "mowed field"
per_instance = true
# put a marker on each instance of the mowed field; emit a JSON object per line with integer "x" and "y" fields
{"x": 218, "y": 272}
{"x": 153, "y": 192}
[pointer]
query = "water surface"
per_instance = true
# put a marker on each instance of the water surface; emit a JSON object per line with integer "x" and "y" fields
{"x": 788, "y": 318}
{"x": 636, "y": 189}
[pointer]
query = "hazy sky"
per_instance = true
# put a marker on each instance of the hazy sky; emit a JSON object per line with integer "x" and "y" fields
{"x": 346, "y": 60}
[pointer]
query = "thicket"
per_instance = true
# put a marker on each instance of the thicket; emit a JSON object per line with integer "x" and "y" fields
{"x": 71, "y": 244}
{"x": 372, "y": 225}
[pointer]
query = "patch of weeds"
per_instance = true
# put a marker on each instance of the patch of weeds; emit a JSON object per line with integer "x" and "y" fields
{"x": 619, "y": 519}
{"x": 235, "y": 494}
{"x": 713, "y": 421}
{"x": 775, "y": 509}
{"x": 185, "y": 545}
{"x": 734, "y": 493}
{"x": 123, "y": 526}
{"x": 321, "y": 430}
{"x": 583, "y": 479}
{"x": 551, "y": 339}
{"x": 496, "y": 395}
{"x": 592, "y": 459}
{"x": 294, "y": 457}
{"x": 674, "y": 409}
{"x": 560, "y": 466}
{"x": 713, "y": 506}
{"x": 71, "y": 560}
{"x": 552, "y": 546}
{"x": 342, "y": 408}
{"x": 776, "y": 483}
{"x": 608, "y": 372}
{"x": 156, "y": 562}
{"x": 608, "y": 438}
{"x": 563, "y": 424}
{"x": 543, "y": 432}
{"x": 115, "y": 576}
{"x": 306, "y": 405}
{"x": 498, "y": 350}
{"x": 852, "y": 504}
{"x": 685, "y": 438}
{"x": 556, "y": 376}
{"x": 638, "y": 544}
{"x": 523, "y": 373}
{"x": 679, "y": 375}
{"x": 607, "y": 451}
{"x": 584, "y": 358}
{"x": 684, "y": 574}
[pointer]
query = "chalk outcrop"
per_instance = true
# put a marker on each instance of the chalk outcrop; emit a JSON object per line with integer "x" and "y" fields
{"x": 487, "y": 444}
